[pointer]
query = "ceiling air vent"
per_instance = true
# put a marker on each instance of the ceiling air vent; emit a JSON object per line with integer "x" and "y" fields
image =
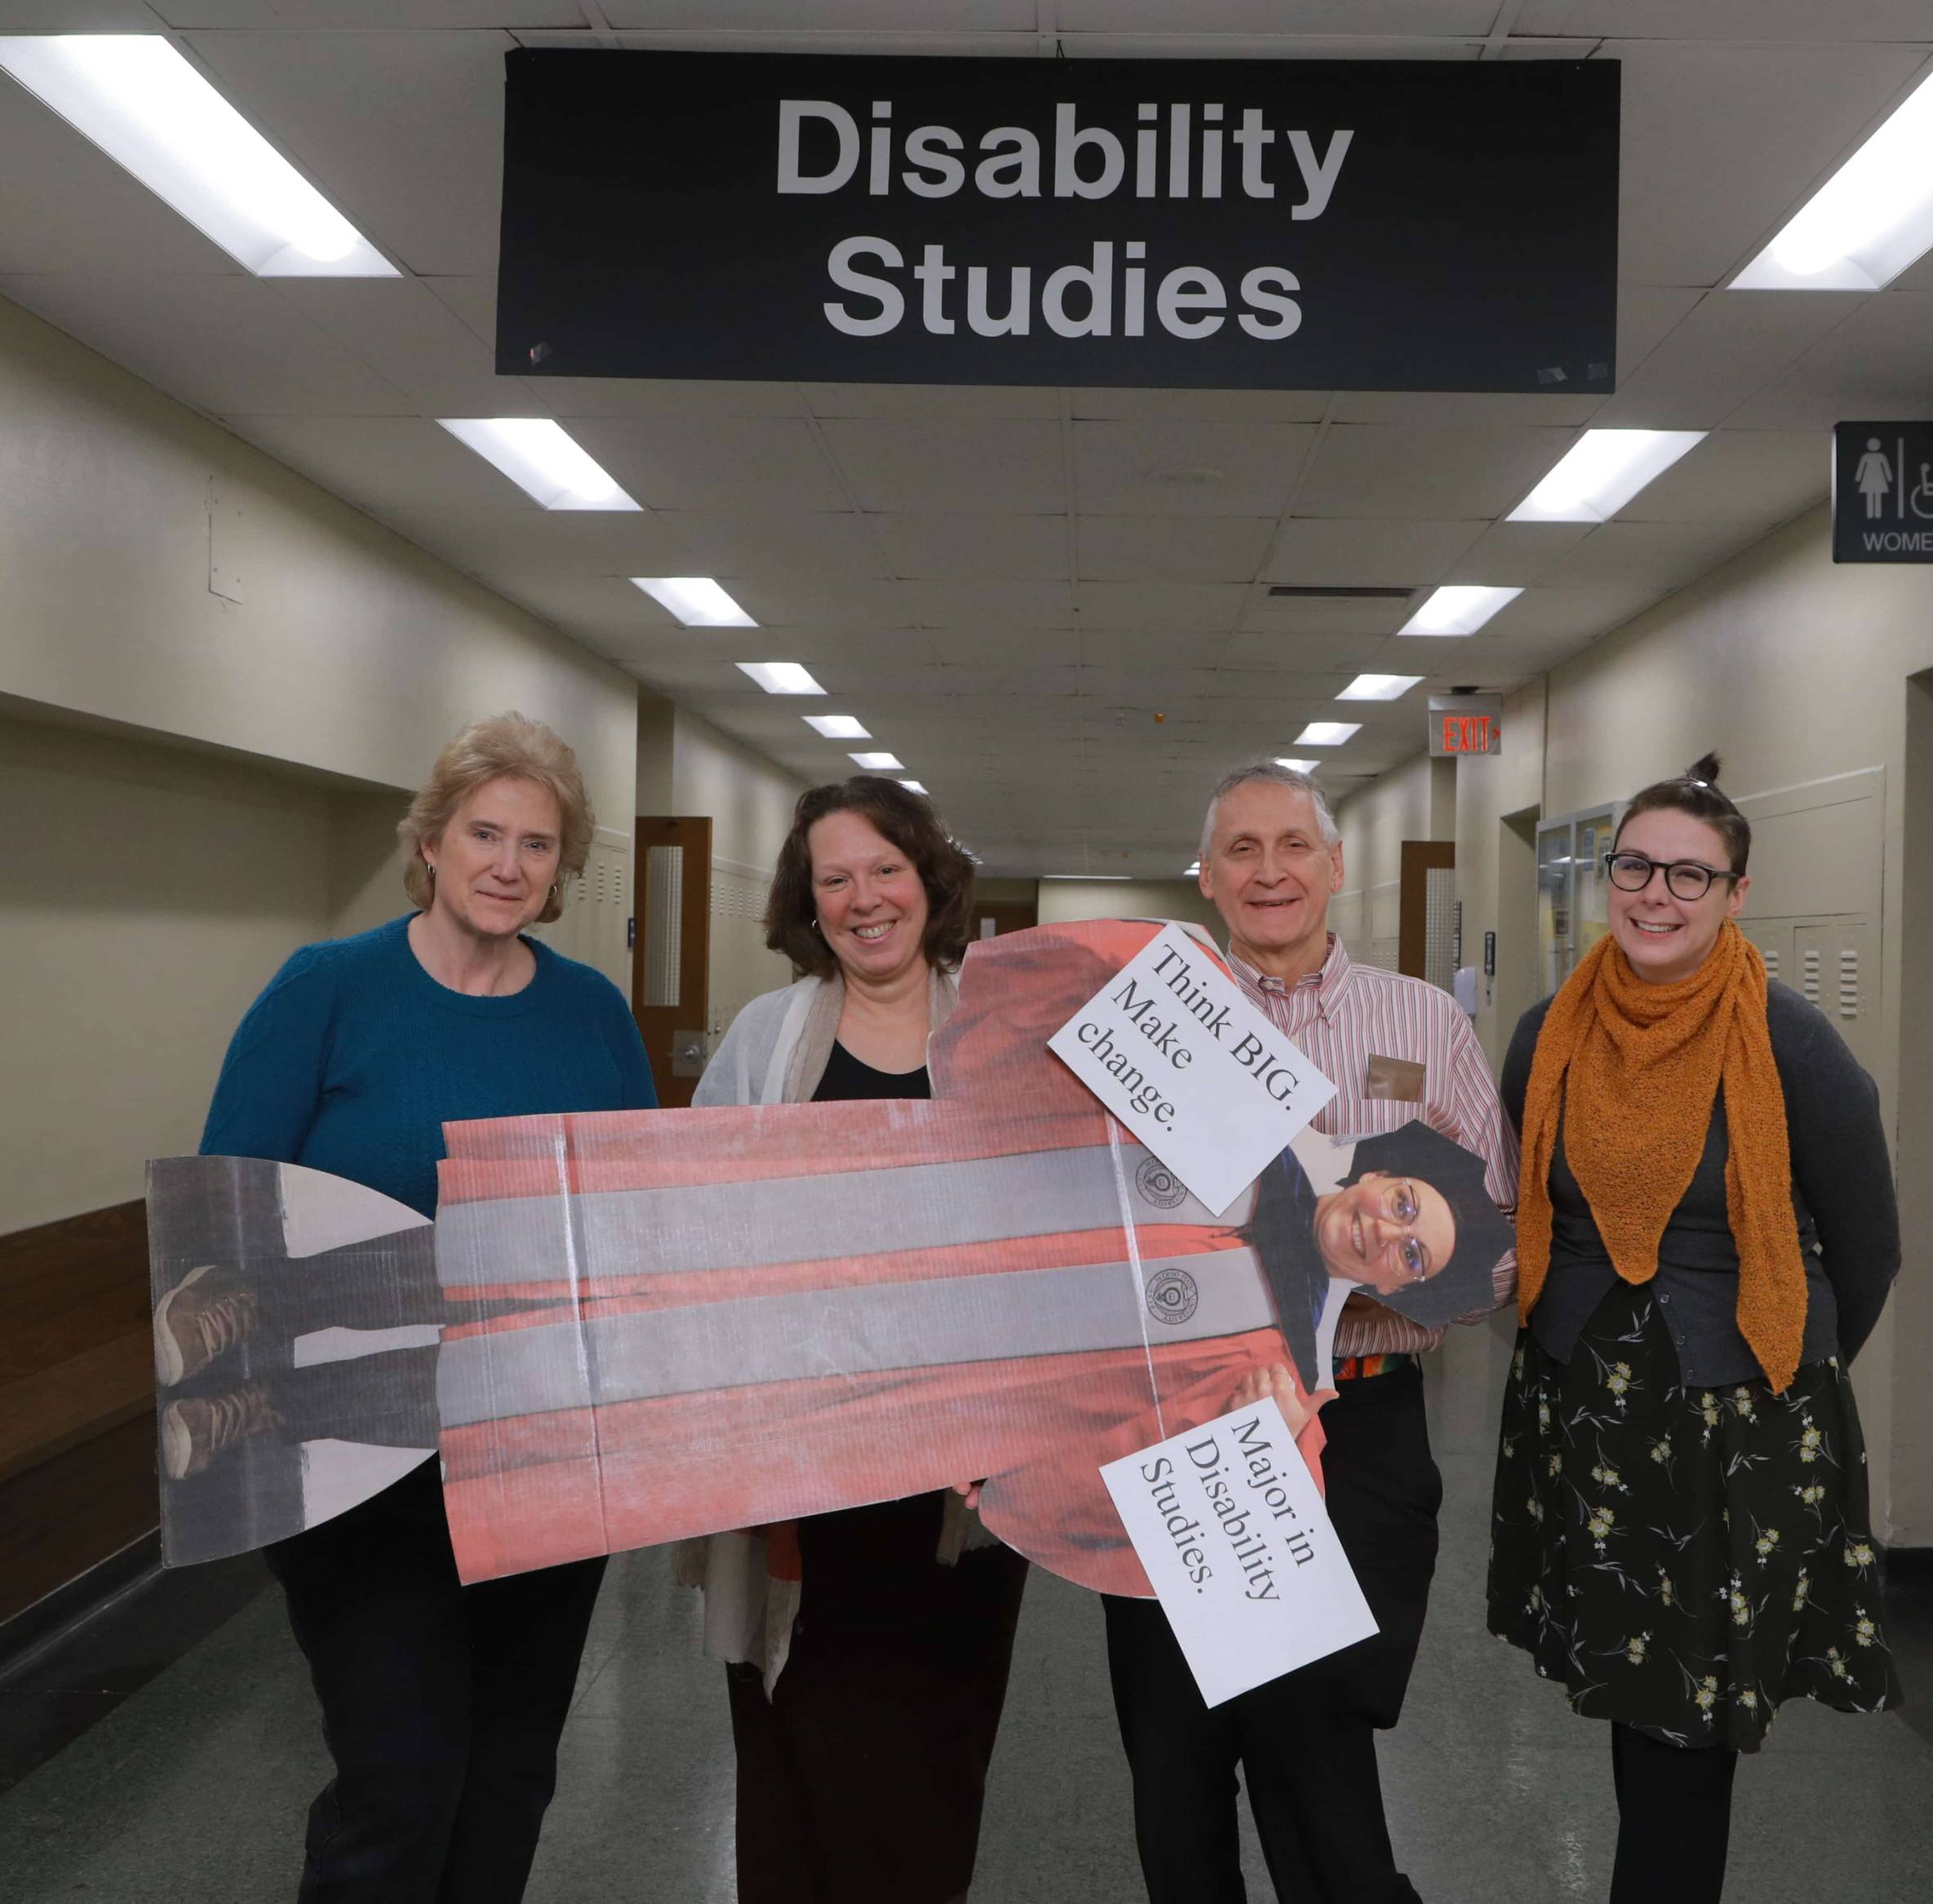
{"x": 1280, "y": 592}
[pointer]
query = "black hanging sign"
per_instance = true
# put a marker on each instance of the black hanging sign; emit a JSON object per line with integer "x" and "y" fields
{"x": 1883, "y": 492}
{"x": 1312, "y": 224}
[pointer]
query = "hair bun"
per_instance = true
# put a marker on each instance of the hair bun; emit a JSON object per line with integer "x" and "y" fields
{"x": 1703, "y": 769}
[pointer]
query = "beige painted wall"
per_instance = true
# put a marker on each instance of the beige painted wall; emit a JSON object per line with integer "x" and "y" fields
{"x": 689, "y": 769}
{"x": 153, "y": 891}
{"x": 1795, "y": 670}
{"x": 1414, "y": 801}
{"x": 349, "y": 650}
{"x": 1181, "y": 899}
{"x": 1499, "y": 799}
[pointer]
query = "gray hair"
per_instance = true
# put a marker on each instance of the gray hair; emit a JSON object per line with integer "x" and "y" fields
{"x": 1274, "y": 773}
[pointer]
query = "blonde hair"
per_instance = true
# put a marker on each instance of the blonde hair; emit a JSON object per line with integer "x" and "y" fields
{"x": 504, "y": 747}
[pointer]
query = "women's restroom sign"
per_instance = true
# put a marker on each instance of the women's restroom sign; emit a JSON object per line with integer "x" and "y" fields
{"x": 1229, "y": 1523}
{"x": 1883, "y": 492}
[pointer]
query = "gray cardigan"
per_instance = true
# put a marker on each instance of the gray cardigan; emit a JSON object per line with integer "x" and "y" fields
{"x": 1842, "y": 1196}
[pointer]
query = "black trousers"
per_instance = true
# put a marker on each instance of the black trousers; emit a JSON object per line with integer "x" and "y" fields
{"x": 1674, "y": 1819}
{"x": 1306, "y": 1743}
{"x": 861, "y": 1779}
{"x": 442, "y": 1703}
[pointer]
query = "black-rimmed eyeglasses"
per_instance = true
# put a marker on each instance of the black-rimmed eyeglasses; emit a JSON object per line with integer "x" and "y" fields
{"x": 1631, "y": 872}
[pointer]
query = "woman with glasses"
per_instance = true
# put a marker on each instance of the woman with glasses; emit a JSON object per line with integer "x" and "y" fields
{"x": 1706, "y": 1233}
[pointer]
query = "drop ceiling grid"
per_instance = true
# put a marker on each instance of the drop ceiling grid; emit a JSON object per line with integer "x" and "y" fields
{"x": 1010, "y": 582}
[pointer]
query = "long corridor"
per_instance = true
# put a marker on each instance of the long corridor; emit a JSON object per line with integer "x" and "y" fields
{"x": 191, "y": 1791}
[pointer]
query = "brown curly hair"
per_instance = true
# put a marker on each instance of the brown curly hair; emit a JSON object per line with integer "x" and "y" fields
{"x": 897, "y": 814}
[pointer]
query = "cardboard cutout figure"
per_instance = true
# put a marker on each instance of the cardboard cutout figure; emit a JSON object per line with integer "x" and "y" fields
{"x": 628, "y": 1327}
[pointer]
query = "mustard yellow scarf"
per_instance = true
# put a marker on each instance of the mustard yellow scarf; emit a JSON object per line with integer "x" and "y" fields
{"x": 1635, "y": 1068}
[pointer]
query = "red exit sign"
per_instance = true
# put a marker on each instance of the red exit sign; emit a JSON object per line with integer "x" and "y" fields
{"x": 1466, "y": 724}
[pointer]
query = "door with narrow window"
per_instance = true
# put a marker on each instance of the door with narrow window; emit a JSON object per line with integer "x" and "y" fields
{"x": 671, "y": 951}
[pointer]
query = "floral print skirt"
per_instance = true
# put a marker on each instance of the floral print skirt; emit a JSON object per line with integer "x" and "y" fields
{"x": 1682, "y": 1559}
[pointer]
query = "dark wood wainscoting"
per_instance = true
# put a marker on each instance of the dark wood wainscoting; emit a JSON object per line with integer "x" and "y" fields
{"x": 77, "y": 1399}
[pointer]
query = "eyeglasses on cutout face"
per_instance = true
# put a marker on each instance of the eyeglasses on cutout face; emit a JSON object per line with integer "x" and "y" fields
{"x": 1631, "y": 872}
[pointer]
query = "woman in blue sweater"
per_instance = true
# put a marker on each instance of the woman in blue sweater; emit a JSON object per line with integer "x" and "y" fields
{"x": 441, "y": 1704}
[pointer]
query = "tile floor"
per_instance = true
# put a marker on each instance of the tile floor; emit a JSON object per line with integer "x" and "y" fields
{"x": 189, "y": 1784}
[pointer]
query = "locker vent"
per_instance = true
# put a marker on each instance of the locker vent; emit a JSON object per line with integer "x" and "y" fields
{"x": 1849, "y": 983}
{"x": 1771, "y": 965}
{"x": 1809, "y": 981}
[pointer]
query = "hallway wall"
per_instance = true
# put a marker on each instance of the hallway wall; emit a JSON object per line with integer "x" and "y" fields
{"x": 688, "y": 769}
{"x": 1075, "y": 899}
{"x": 333, "y": 644}
{"x": 1414, "y": 801}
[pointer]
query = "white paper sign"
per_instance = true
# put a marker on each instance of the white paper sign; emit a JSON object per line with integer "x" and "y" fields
{"x": 1199, "y": 1076}
{"x": 1229, "y": 1523}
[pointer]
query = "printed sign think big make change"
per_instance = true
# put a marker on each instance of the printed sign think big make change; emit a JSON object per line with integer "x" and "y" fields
{"x": 1200, "y": 1077}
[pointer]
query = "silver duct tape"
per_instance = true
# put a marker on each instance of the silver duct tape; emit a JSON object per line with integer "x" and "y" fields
{"x": 869, "y": 1329}
{"x": 554, "y": 1238}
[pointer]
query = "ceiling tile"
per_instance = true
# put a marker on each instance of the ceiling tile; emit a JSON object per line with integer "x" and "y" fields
{"x": 996, "y": 548}
{"x": 403, "y": 132}
{"x": 779, "y": 546}
{"x": 1208, "y": 605}
{"x": 1763, "y": 476}
{"x": 993, "y": 604}
{"x": 1722, "y": 143}
{"x": 1335, "y": 552}
{"x": 414, "y": 340}
{"x": 915, "y": 402}
{"x": 1192, "y": 469}
{"x": 1138, "y": 548}
{"x": 518, "y": 537}
{"x": 980, "y": 464}
{"x": 385, "y": 462}
{"x": 1200, "y": 406}
{"x": 714, "y": 463}
{"x": 1879, "y": 363}
{"x": 65, "y": 206}
{"x": 229, "y": 346}
{"x": 1726, "y": 350}
{"x": 1723, "y": 20}
{"x": 1666, "y": 554}
{"x": 1380, "y": 471}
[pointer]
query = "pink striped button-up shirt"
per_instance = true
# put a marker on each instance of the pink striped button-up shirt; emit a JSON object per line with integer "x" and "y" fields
{"x": 1338, "y": 1018}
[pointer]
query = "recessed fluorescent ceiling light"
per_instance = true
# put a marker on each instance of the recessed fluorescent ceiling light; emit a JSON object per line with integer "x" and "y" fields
{"x": 1299, "y": 766}
{"x": 537, "y": 455}
{"x": 697, "y": 601}
{"x": 837, "y": 727}
{"x": 1457, "y": 609}
{"x": 1087, "y": 875}
{"x": 912, "y": 787}
{"x": 879, "y": 763}
{"x": 780, "y": 677}
{"x": 1601, "y": 471}
{"x": 1193, "y": 869}
{"x": 1326, "y": 733}
{"x": 1867, "y": 222}
{"x": 1378, "y": 686}
{"x": 149, "y": 110}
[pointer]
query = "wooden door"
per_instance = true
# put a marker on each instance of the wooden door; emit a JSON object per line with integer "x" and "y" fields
{"x": 671, "y": 950}
{"x": 993, "y": 916}
{"x": 1421, "y": 858}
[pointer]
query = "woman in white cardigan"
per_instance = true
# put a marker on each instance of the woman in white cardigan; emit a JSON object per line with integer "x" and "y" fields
{"x": 868, "y": 1649}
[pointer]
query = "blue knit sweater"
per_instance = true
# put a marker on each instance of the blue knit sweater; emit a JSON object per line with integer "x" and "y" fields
{"x": 354, "y": 1058}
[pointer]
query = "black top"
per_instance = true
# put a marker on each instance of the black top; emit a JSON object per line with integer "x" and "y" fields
{"x": 1843, "y": 1203}
{"x": 847, "y": 1077}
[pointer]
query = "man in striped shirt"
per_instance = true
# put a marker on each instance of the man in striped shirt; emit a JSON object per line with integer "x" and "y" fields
{"x": 1396, "y": 1049}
